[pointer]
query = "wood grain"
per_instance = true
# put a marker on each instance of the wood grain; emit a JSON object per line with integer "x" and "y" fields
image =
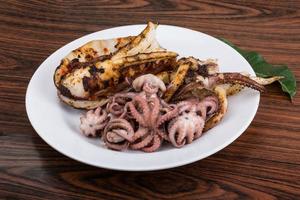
{"x": 263, "y": 163}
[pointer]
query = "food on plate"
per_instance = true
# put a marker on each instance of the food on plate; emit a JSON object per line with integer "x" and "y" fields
{"x": 139, "y": 95}
{"x": 101, "y": 68}
{"x": 141, "y": 120}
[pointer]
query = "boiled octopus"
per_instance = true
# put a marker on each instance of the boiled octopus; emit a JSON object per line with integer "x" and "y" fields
{"x": 93, "y": 122}
{"x": 141, "y": 120}
{"x": 189, "y": 125}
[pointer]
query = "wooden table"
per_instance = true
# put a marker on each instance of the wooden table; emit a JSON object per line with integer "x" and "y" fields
{"x": 263, "y": 163}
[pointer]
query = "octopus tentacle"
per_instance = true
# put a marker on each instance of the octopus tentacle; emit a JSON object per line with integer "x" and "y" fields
{"x": 221, "y": 95}
{"x": 165, "y": 104}
{"x": 141, "y": 132}
{"x": 237, "y": 78}
{"x": 117, "y": 132}
{"x": 182, "y": 132}
{"x": 117, "y": 103}
{"x": 168, "y": 116}
{"x": 115, "y": 108}
{"x": 102, "y": 115}
{"x": 210, "y": 102}
{"x": 199, "y": 128}
{"x": 117, "y": 146}
{"x": 155, "y": 104}
{"x": 143, "y": 106}
{"x": 141, "y": 118}
{"x": 162, "y": 134}
{"x": 190, "y": 134}
{"x": 150, "y": 89}
{"x": 236, "y": 88}
{"x": 184, "y": 106}
{"x": 144, "y": 142}
{"x": 172, "y": 135}
{"x": 115, "y": 136}
{"x": 156, "y": 143}
{"x": 125, "y": 112}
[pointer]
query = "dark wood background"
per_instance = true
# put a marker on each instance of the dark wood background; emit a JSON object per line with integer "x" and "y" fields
{"x": 263, "y": 163}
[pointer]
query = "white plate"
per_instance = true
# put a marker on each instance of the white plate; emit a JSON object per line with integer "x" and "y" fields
{"x": 58, "y": 124}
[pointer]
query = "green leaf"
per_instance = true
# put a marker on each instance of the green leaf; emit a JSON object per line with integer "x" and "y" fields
{"x": 263, "y": 69}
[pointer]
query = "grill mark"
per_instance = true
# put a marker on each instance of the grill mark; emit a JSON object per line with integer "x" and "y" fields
{"x": 94, "y": 70}
{"x": 202, "y": 70}
{"x": 65, "y": 91}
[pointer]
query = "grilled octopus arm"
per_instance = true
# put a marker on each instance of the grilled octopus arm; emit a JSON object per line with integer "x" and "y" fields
{"x": 233, "y": 89}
